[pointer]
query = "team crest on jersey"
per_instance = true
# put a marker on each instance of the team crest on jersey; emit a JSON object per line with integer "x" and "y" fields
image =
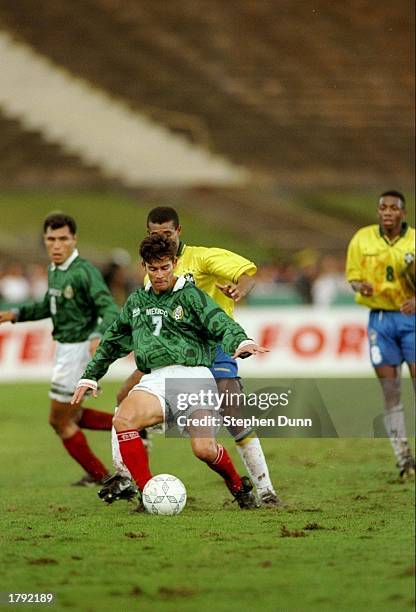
{"x": 189, "y": 277}
{"x": 135, "y": 312}
{"x": 409, "y": 258}
{"x": 178, "y": 313}
{"x": 68, "y": 292}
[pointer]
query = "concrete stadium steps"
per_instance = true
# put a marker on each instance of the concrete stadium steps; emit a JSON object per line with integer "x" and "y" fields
{"x": 306, "y": 94}
{"x": 27, "y": 160}
{"x": 101, "y": 129}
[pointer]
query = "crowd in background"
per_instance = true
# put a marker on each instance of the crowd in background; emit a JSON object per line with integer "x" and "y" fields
{"x": 307, "y": 278}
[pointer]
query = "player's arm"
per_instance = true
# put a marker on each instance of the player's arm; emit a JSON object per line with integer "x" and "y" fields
{"x": 409, "y": 306}
{"x": 223, "y": 328}
{"x": 104, "y": 305}
{"x": 247, "y": 348}
{"x": 115, "y": 343}
{"x": 237, "y": 270}
{"x": 364, "y": 287}
{"x": 353, "y": 269}
{"x": 238, "y": 291}
{"x": 106, "y": 309}
{"x": 32, "y": 311}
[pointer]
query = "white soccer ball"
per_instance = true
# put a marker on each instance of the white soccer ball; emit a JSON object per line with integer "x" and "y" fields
{"x": 164, "y": 494}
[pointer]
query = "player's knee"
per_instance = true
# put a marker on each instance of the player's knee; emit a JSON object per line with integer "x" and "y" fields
{"x": 122, "y": 422}
{"x": 57, "y": 422}
{"x": 54, "y": 421}
{"x": 62, "y": 427}
{"x": 205, "y": 449}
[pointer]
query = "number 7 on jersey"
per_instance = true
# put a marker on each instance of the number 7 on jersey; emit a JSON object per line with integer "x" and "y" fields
{"x": 157, "y": 322}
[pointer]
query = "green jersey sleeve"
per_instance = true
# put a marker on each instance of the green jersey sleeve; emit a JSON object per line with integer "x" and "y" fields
{"x": 219, "y": 326}
{"x": 115, "y": 343}
{"x": 34, "y": 311}
{"x": 105, "y": 307}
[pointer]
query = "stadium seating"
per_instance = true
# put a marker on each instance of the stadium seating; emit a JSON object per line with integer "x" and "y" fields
{"x": 291, "y": 90}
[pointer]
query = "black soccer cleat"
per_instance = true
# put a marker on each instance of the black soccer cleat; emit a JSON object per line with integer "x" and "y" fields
{"x": 245, "y": 497}
{"x": 269, "y": 499}
{"x": 407, "y": 469}
{"x": 116, "y": 487}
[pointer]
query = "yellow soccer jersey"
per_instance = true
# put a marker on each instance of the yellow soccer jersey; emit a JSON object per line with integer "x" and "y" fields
{"x": 208, "y": 266}
{"x": 372, "y": 257}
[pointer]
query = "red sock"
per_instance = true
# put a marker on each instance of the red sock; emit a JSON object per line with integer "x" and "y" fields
{"x": 134, "y": 456}
{"x": 95, "y": 419}
{"x": 77, "y": 447}
{"x": 224, "y": 466}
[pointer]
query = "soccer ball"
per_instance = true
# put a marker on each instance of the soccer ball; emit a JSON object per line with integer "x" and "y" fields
{"x": 164, "y": 494}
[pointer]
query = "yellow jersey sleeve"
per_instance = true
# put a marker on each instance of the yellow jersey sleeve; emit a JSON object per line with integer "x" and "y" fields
{"x": 353, "y": 270}
{"x": 225, "y": 264}
{"x": 211, "y": 266}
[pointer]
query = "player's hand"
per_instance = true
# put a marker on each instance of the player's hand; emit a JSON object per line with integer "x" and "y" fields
{"x": 82, "y": 387}
{"x": 249, "y": 349}
{"x": 7, "y": 315}
{"x": 94, "y": 345}
{"x": 409, "y": 306}
{"x": 231, "y": 291}
{"x": 366, "y": 289}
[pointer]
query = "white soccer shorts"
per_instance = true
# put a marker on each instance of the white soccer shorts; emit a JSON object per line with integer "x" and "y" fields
{"x": 71, "y": 359}
{"x": 166, "y": 383}
{"x": 155, "y": 383}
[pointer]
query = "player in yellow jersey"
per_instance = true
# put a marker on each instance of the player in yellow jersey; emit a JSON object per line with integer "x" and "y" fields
{"x": 226, "y": 277}
{"x": 380, "y": 269}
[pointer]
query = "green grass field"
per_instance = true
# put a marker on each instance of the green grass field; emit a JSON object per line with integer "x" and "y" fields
{"x": 344, "y": 540}
{"x": 109, "y": 220}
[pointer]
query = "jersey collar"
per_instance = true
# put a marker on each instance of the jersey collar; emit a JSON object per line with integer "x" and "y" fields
{"x": 64, "y": 266}
{"x": 181, "y": 249}
{"x": 176, "y": 287}
{"x": 179, "y": 284}
{"x": 403, "y": 230}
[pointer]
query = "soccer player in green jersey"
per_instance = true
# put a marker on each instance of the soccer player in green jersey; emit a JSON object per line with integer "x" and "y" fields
{"x": 227, "y": 278}
{"x": 81, "y": 308}
{"x": 175, "y": 328}
{"x": 380, "y": 269}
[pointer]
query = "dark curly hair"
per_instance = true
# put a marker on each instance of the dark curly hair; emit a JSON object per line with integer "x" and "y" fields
{"x": 157, "y": 247}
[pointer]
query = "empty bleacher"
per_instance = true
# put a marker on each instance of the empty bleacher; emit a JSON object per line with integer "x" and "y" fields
{"x": 310, "y": 94}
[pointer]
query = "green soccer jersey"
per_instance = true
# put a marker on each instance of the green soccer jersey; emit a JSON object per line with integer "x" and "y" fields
{"x": 78, "y": 301}
{"x": 181, "y": 326}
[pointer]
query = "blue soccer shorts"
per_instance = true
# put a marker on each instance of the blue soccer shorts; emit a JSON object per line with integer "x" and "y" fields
{"x": 224, "y": 366}
{"x": 391, "y": 335}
